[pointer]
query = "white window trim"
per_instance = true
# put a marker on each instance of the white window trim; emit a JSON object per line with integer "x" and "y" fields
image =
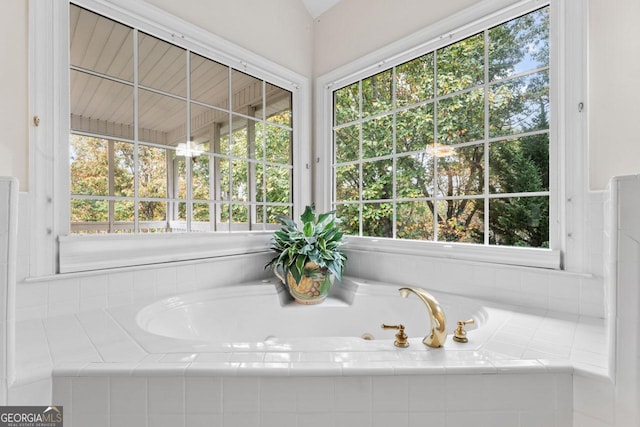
{"x": 52, "y": 250}
{"x": 568, "y": 128}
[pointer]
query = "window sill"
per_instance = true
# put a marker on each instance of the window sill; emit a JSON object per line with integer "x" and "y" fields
{"x": 85, "y": 253}
{"x": 509, "y": 255}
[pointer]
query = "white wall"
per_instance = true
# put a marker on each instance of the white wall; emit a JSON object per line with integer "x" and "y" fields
{"x": 279, "y": 30}
{"x": 614, "y": 68}
{"x": 13, "y": 87}
{"x": 354, "y": 28}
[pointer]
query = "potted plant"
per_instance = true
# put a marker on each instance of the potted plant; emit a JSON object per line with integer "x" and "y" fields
{"x": 308, "y": 259}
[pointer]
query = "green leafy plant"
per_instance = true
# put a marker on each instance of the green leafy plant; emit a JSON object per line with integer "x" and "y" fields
{"x": 317, "y": 242}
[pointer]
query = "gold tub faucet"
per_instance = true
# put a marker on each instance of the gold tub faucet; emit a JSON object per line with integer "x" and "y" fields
{"x": 438, "y": 333}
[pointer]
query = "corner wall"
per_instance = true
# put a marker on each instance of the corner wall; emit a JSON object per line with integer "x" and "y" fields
{"x": 8, "y": 240}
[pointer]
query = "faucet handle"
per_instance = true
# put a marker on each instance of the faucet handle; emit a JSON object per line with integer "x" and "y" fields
{"x": 460, "y": 335}
{"x": 401, "y": 337}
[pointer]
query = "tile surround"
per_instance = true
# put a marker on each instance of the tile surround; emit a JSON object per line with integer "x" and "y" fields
{"x": 85, "y": 293}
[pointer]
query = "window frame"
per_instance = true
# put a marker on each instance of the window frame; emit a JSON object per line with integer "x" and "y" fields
{"x": 52, "y": 249}
{"x": 567, "y": 130}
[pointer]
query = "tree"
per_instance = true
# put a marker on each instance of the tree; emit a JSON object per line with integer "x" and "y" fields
{"x": 438, "y": 171}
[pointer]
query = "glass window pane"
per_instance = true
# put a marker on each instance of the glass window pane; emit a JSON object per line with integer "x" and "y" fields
{"x": 240, "y": 214}
{"x": 461, "y": 220}
{"x": 124, "y": 212}
{"x": 519, "y": 45}
{"x": 346, "y": 104}
{"x": 161, "y": 118}
{"x": 414, "y": 81}
{"x": 414, "y": 176}
{"x": 377, "y": 94}
{"x": 377, "y": 219}
{"x": 519, "y": 221}
{"x": 243, "y": 136}
{"x": 123, "y": 169}
{"x": 519, "y": 165}
{"x": 349, "y": 217}
{"x": 377, "y": 137}
{"x": 347, "y": 182}
{"x": 201, "y": 214}
{"x": 414, "y": 128}
{"x": 200, "y": 177}
{"x": 209, "y": 82}
{"x": 112, "y": 115}
{"x": 240, "y": 187}
{"x": 207, "y": 126}
{"x": 461, "y": 65}
{"x": 414, "y": 220}
{"x": 83, "y": 210}
{"x": 100, "y": 44}
{"x": 161, "y": 65}
{"x": 461, "y": 173}
{"x": 278, "y": 184}
{"x": 461, "y": 118}
{"x": 152, "y": 211}
{"x": 279, "y": 103}
{"x": 377, "y": 180}
{"x": 347, "y": 143}
{"x": 259, "y": 181}
{"x": 274, "y": 211}
{"x": 279, "y": 145}
{"x": 247, "y": 94}
{"x": 152, "y": 172}
{"x": 89, "y": 168}
{"x": 519, "y": 105}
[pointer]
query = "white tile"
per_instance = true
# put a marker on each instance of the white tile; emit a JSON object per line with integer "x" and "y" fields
{"x": 62, "y": 392}
{"x": 350, "y": 419}
{"x": 204, "y": 395}
{"x": 241, "y": 394}
{"x": 352, "y": 394}
{"x": 166, "y": 395}
{"x": 395, "y": 419}
{"x": 323, "y": 419}
{"x": 425, "y": 393}
{"x": 93, "y": 286}
{"x": 482, "y": 419}
{"x": 166, "y": 420}
{"x": 90, "y": 396}
{"x": 67, "y": 290}
{"x": 128, "y": 396}
{"x": 79, "y": 419}
{"x": 241, "y": 419}
{"x": 128, "y": 420}
{"x": 431, "y": 419}
{"x": 311, "y": 390}
{"x": 32, "y": 295}
{"x": 203, "y": 420}
{"x": 275, "y": 394}
{"x": 390, "y": 393}
{"x": 594, "y": 398}
{"x": 278, "y": 419}
{"x": 31, "y": 394}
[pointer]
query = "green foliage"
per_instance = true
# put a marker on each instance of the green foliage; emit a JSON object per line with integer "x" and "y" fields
{"x": 318, "y": 241}
{"x": 430, "y": 181}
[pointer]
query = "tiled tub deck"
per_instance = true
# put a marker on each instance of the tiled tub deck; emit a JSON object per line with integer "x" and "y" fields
{"x": 517, "y": 370}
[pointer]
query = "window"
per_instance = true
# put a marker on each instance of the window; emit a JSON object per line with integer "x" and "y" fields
{"x": 164, "y": 139}
{"x": 452, "y": 145}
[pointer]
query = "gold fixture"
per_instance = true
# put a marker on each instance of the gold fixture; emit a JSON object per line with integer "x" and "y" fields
{"x": 438, "y": 332}
{"x": 401, "y": 337}
{"x": 460, "y": 335}
{"x": 36, "y": 121}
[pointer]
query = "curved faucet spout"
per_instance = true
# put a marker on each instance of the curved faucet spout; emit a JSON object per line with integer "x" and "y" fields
{"x": 438, "y": 333}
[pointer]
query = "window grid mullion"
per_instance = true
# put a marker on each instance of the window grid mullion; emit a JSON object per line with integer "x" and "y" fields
{"x": 136, "y": 135}
{"x": 435, "y": 144}
{"x": 486, "y": 138}
{"x": 360, "y": 156}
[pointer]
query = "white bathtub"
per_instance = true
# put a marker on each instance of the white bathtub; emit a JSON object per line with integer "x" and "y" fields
{"x": 261, "y": 316}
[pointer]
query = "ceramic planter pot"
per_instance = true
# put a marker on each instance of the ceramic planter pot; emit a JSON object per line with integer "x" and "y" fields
{"x": 313, "y": 286}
